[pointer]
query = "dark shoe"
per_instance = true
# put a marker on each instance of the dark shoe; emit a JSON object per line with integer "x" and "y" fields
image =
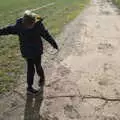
{"x": 41, "y": 83}
{"x": 32, "y": 91}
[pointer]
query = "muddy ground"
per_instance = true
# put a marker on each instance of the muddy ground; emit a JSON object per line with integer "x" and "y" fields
{"x": 83, "y": 80}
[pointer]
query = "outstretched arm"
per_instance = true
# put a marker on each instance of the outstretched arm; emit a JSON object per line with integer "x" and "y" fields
{"x": 12, "y": 29}
{"x": 45, "y": 34}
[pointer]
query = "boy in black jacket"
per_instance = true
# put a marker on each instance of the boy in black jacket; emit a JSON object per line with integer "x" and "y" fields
{"x": 30, "y": 32}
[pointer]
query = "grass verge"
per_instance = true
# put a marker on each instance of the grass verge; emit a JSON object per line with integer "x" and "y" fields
{"x": 117, "y": 2}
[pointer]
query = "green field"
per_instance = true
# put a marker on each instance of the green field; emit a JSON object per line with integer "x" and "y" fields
{"x": 11, "y": 62}
{"x": 117, "y": 2}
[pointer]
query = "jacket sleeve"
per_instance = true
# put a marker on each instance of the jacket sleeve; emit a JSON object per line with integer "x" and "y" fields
{"x": 12, "y": 29}
{"x": 46, "y": 35}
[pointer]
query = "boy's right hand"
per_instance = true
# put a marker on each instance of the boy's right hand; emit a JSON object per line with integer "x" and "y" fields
{"x": 57, "y": 48}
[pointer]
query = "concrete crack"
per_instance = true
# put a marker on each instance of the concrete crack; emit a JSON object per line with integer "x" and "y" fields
{"x": 85, "y": 97}
{"x": 102, "y": 98}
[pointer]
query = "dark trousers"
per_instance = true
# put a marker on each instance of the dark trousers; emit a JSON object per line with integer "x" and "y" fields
{"x": 32, "y": 66}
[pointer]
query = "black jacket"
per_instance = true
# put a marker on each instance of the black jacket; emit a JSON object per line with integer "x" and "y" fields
{"x": 30, "y": 39}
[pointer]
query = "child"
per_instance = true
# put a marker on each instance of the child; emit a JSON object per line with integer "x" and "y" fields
{"x": 30, "y": 32}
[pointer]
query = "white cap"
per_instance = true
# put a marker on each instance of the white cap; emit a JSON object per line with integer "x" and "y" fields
{"x": 30, "y": 13}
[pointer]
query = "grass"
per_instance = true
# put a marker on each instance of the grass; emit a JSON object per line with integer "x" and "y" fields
{"x": 11, "y": 62}
{"x": 116, "y": 2}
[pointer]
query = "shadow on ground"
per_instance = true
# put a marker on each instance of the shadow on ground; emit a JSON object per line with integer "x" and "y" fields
{"x": 32, "y": 106}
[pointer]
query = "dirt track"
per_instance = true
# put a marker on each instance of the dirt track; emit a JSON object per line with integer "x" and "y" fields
{"x": 83, "y": 83}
